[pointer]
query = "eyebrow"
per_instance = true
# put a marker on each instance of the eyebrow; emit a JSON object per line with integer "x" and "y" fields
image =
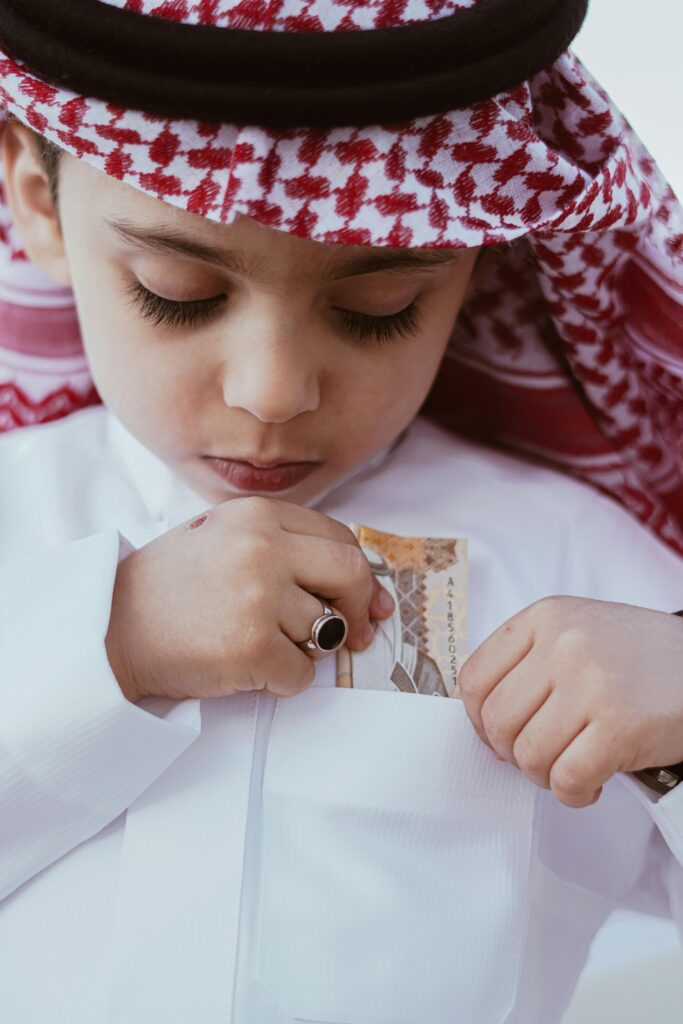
{"x": 395, "y": 259}
{"x": 167, "y": 241}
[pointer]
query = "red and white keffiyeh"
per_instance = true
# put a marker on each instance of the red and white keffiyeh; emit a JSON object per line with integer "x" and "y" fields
{"x": 571, "y": 350}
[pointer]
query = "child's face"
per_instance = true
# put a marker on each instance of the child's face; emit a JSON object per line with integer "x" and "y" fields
{"x": 293, "y": 351}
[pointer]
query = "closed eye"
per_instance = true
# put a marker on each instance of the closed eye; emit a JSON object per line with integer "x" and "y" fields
{"x": 174, "y": 314}
{"x": 161, "y": 311}
{"x": 382, "y": 328}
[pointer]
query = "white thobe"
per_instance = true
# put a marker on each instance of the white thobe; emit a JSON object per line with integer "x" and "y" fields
{"x": 343, "y": 856}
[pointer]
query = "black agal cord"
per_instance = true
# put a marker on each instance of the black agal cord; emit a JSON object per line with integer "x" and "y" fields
{"x": 288, "y": 79}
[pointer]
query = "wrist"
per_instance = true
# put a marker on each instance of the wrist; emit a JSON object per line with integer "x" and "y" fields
{"x": 122, "y": 676}
{"x": 664, "y": 779}
{"x": 118, "y": 654}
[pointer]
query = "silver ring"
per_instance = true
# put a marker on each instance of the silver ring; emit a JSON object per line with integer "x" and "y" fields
{"x": 328, "y": 633}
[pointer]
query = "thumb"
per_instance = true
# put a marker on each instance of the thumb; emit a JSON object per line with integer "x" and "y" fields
{"x": 382, "y": 603}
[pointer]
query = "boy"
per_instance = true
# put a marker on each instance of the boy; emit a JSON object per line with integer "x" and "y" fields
{"x": 316, "y": 858}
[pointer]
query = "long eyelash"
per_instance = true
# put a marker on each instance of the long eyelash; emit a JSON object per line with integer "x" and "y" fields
{"x": 163, "y": 311}
{"x": 173, "y": 314}
{"x": 382, "y": 328}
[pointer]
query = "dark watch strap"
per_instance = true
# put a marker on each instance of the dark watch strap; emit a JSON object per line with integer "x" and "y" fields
{"x": 662, "y": 780}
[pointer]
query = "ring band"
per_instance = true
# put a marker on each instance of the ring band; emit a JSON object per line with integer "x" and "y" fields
{"x": 328, "y": 633}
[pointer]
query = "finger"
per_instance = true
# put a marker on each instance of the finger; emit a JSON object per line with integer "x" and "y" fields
{"x": 288, "y": 671}
{"x": 511, "y": 704}
{"x": 299, "y": 612}
{"x": 382, "y": 603}
{"x": 307, "y": 522}
{"x": 340, "y": 575}
{"x": 583, "y": 767}
{"x": 315, "y": 524}
{"x": 491, "y": 661}
{"x": 547, "y": 733}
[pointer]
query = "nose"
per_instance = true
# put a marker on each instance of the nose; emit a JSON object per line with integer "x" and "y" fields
{"x": 272, "y": 380}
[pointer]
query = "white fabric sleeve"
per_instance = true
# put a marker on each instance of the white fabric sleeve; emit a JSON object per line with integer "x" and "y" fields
{"x": 74, "y": 753}
{"x": 658, "y": 888}
{"x": 666, "y": 810}
{"x": 624, "y": 562}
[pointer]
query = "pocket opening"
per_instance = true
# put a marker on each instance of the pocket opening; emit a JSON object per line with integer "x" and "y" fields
{"x": 395, "y": 861}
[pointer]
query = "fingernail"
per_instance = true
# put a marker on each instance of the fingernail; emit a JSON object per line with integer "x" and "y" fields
{"x": 385, "y": 600}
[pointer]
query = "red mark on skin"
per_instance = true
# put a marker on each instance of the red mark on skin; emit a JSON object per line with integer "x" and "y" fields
{"x": 198, "y": 521}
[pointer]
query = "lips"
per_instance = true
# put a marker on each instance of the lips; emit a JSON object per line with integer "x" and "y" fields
{"x": 250, "y": 476}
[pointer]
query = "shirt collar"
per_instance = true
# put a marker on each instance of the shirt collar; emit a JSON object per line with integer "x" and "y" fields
{"x": 156, "y": 483}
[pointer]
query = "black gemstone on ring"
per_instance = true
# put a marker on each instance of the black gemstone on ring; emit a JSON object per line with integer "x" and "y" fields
{"x": 331, "y": 633}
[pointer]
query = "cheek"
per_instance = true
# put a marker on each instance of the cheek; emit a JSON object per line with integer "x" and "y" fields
{"x": 389, "y": 395}
{"x": 406, "y": 374}
{"x": 413, "y": 388}
{"x": 146, "y": 385}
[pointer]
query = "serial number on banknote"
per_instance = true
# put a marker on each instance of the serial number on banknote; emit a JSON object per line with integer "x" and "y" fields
{"x": 420, "y": 648}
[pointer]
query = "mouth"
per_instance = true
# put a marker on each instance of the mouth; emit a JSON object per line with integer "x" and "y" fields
{"x": 260, "y": 476}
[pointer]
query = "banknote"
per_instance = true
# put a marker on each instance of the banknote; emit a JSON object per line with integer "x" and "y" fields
{"x": 420, "y": 648}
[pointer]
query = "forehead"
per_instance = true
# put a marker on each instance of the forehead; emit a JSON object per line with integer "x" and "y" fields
{"x": 146, "y": 224}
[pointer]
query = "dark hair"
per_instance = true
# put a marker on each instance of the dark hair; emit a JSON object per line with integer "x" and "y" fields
{"x": 50, "y": 155}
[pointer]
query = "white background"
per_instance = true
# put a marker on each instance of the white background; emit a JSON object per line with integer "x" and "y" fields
{"x": 635, "y": 50}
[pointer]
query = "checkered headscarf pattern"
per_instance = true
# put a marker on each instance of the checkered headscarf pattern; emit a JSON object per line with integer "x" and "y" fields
{"x": 572, "y": 349}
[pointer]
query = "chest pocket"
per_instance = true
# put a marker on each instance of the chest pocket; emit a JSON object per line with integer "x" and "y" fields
{"x": 395, "y": 861}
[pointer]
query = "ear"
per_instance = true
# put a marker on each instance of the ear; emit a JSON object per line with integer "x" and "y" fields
{"x": 28, "y": 195}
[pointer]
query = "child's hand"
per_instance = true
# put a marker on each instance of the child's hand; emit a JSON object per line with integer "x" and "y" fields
{"x": 573, "y": 690}
{"x": 217, "y": 606}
